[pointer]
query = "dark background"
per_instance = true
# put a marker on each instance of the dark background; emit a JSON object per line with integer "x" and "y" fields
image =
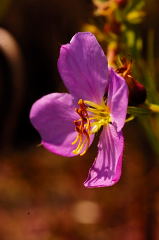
{"x": 40, "y": 28}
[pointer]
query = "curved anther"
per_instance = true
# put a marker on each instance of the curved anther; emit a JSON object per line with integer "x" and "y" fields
{"x": 92, "y": 118}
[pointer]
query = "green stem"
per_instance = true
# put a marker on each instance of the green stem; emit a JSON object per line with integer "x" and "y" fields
{"x": 147, "y": 109}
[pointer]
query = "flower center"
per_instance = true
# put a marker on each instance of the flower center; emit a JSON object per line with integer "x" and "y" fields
{"x": 92, "y": 118}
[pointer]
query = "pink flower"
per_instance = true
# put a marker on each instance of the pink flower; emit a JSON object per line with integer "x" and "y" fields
{"x": 98, "y": 100}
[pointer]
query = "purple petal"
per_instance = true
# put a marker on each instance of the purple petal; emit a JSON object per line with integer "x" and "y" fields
{"x": 117, "y": 99}
{"x": 53, "y": 117}
{"x": 83, "y": 67}
{"x": 106, "y": 169}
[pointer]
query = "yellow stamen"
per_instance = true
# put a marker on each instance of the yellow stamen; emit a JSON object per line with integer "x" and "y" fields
{"x": 92, "y": 118}
{"x": 78, "y": 149}
{"x": 94, "y": 105}
{"x": 76, "y": 140}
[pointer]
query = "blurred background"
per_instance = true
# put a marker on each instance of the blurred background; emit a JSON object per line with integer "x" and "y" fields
{"x": 42, "y": 196}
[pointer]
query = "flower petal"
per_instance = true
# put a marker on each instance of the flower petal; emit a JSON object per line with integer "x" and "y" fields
{"x": 53, "y": 117}
{"x": 83, "y": 67}
{"x": 106, "y": 169}
{"x": 117, "y": 98}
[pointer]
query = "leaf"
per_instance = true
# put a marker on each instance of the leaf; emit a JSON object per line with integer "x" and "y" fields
{"x": 135, "y": 17}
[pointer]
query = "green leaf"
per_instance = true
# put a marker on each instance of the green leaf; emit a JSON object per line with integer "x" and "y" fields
{"x": 130, "y": 35}
{"x": 135, "y": 17}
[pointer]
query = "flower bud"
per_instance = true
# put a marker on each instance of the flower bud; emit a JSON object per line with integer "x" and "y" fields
{"x": 137, "y": 92}
{"x": 121, "y": 3}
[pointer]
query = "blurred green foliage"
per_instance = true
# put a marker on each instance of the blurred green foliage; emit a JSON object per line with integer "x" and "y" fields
{"x": 121, "y": 33}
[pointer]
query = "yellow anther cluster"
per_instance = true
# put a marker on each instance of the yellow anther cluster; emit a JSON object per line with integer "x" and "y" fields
{"x": 92, "y": 118}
